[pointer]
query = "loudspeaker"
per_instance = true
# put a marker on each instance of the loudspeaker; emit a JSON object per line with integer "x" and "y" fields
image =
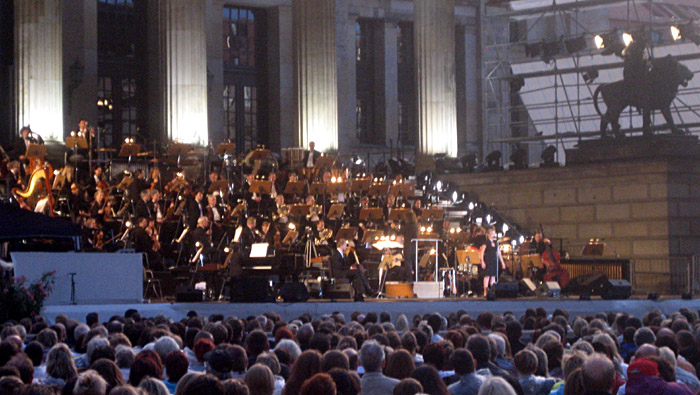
{"x": 616, "y": 289}
{"x": 551, "y": 289}
{"x": 188, "y": 295}
{"x": 508, "y": 290}
{"x": 590, "y": 284}
{"x": 251, "y": 290}
{"x": 294, "y": 292}
{"x": 526, "y": 287}
{"x": 340, "y": 291}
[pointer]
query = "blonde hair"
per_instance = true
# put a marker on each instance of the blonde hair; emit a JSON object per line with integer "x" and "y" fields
{"x": 59, "y": 363}
{"x": 90, "y": 383}
{"x": 260, "y": 380}
{"x": 496, "y": 386}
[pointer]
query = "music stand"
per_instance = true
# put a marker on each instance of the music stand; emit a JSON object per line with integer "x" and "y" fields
{"x": 221, "y": 185}
{"x": 378, "y": 189}
{"x": 593, "y": 249}
{"x": 129, "y": 149}
{"x": 336, "y": 211}
{"x": 258, "y": 154}
{"x": 337, "y": 187}
{"x": 299, "y": 210}
{"x": 261, "y": 187}
{"x": 347, "y": 233}
{"x": 402, "y": 189}
{"x": 76, "y": 142}
{"x": 317, "y": 188}
{"x": 360, "y": 184}
{"x": 225, "y": 149}
{"x": 323, "y": 162}
{"x": 398, "y": 214}
{"x": 177, "y": 150}
{"x": 432, "y": 213}
{"x": 424, "y": 260}
{"x": 371, "y": 213}
{"x": 36, "y": 151}
{"x": 294, "y": 188}
{"x": 290, "y": 237}
{"x": 370, "y": 236}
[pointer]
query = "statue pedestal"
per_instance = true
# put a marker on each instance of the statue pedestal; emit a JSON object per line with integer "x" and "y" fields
{"x": 661, "y": 146}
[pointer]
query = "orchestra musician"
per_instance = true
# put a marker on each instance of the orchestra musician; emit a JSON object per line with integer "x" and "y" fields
{"x": 145, "y": 241}
{"x": 249, "y": 236}
{"x": 343, "y": 268}
{"x": 142, "y": 207}
{"x": 14, "y": 175}
{"x": 137, "y": 185}
{"x": 310, "y": 156}
{"x": 201, "y": 238}
{"x": 27, "y": 137}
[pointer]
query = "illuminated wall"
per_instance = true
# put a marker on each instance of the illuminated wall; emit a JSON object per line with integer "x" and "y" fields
{"x": 434, "y": 42}
{"x": 38, "y": 67}
{"x": 184, "y": 67}
{"x": 315, "y": 73}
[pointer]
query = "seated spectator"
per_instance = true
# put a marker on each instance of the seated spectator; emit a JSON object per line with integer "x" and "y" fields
{"x": 346, "y": 383}
{"x": 400, "y": 365}
{"x": 90, "y": 383}
{"x": 59, "y": 366}
{"x": 260, "y": 380}
{"x": 598, "y": 375}
{"x": 525, "y": 363}
{"x": 307, "y": 365}
{"x": 496, "y": 386}
{"x": 109, "y": 371}
{"x": 319, "y": 384}
{"x": 176, "y": 366}
{"x": 408, "y": 386}
{"x": 469, "y": 382}
{"x": 372, "y": 359}
{"x": 153, "y": 386}
{"x": 430, "y": 380}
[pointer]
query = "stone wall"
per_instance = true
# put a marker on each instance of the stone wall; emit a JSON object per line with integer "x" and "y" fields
{"x": 642, "y": 210}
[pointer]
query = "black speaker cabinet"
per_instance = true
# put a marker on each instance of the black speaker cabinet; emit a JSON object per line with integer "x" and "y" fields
{"x": 506, "y": 290}
{"x": 591, "y": 284}
{"x": 251, "y": 290}
{"x": 526, "y": 287}
{"x": 340, "y": 291}
{"x": 616, "y": 289}
{"x": 189, "y": 295}
{"x": 294, "y": 292}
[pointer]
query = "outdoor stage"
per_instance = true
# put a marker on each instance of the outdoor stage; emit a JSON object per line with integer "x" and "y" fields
{"x": 288, "y": 311}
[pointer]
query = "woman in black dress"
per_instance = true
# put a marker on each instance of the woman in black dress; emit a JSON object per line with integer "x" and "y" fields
{"x": 490, "y": 256}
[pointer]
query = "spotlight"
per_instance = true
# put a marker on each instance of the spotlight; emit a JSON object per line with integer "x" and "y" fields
{"x": 627, "y": 39}
{"x": 574, "y": 45}
{"x": 653, "y": 296}
{"x": 493, "y": 161}
{"x": 128, "y": 224}
{"x": 686, "y": 32}
{"x": 471, "y": 206}
{"x": 548, "y": 157}
{"x": 291, "y": 226}
{"x": 197, "y": 244}
{"x": 521, "y": 239}
{"x": 227, "y": 250}
{"x": 533, "y": 50}
{"x": 590, "y": 75}
{"x": 505, "y": 228}
{"x": 550, "y": 50}
{"x": 519, "y": 158}
{"x": 610, "y": 43}
{"x": 469, "y": 162}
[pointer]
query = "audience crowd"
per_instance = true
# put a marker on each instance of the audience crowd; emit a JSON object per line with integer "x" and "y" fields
{"x": 372, "y": 354}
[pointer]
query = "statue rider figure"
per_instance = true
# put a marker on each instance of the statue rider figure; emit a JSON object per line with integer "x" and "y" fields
{"x": 636, "y": 67}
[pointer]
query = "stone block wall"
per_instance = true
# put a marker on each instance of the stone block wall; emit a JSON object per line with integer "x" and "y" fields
{"x": 641, "y": 209}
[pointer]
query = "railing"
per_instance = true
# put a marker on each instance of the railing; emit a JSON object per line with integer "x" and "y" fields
{"x": 670, "y": 275}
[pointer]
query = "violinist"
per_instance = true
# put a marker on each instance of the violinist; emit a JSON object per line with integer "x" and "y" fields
{"x": 144, "y": 241}
{"x": 268, "y": 233}
{"x": 97, "y": 207}
{"x": 155, "y": 206}
{"x": 137, "y": 185}
{"x": 214, "y": 210}
{"x": 97, "y": 180}
{"x": 27, "y": 137}
{"x": 14, "y": 175}
{"x": 213, "y": 177}
{"x": 155, "y": 179}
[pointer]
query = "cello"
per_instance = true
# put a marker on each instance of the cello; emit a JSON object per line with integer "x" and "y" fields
{"x": 552, "y": 261}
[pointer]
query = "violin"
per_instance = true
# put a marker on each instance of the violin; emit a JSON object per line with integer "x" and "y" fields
{"x": 552, "y": 261}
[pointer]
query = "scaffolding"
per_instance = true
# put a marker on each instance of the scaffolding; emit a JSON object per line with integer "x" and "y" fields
{"x": 540, "y": 69}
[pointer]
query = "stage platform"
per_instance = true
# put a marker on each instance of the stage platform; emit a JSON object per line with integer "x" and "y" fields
{"x": 288, "y": 311}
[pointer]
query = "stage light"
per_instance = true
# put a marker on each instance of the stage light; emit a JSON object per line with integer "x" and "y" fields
{"x": 516, "y": 83}
{"x": 521, "y": 239}
{"x": 627, "y": 39}
{"x": 488, "y": 218}
{"x": 72, "y": 134}
{"x": 333, "y": 179}
{"x": 493, "y": 161}
{"x": 438, "y": 186}
{"x": 392, "y": 237}
{"x": 676, "y": 33}
{"x": 550, "y": 50}
{"x": 291, "y": 226}
{"x": 533, "y": 50}
{"x": 429, "y": 229}
{"x": 590, "y": 75}
{"x": 56, "y": 172}
{"x": 128, "y": 224}
{"x": 432, "y": 251}
{"x": 471, "y": 206}
{"x": 519, "y": 158}
{"x": 505, "y": 228}
{"x": 548, "y": 157}
{"x": 455, "y": 196}
{"x": 452, "y": 230}
{"x": 574, "y": 45}
{"x": 422, "y": 229}
{"x": 227, "y": 250}
{"x": 469, "y": 162}
{"x": 599, "y": 41}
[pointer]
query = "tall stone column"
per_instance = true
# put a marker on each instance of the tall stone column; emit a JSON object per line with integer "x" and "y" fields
{"x": 434, "y": 41}
{"x": 39, "y": 67}
{"x": 183, "y": 61}
{"x": 315, "y": 73}
{"x": 391, "y": 88}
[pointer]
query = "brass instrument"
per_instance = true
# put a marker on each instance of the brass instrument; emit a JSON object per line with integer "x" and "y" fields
{"x": 282, "y": 211}
{"x": 324, "y": 235}
{"x": 314, "y": 210}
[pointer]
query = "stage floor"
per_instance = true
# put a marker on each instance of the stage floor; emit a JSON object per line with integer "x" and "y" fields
{"x": 288, "y": 311}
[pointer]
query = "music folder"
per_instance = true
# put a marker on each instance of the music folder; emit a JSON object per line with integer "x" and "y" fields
{"x": 360, "y": 184}
{"x": 398, "y": 214}
{"x": 290, "y": 237}
{"x": 36, "y": 151}
{"x": 347, "y": 233}
{"x": 294, "y": 188}
{"x": 261, "y": 187}
{"x": 317, "y": 188}
{"x": 378, "y": 189}
{"x": 225, "y": 149}
{"x": 371, "y": 213}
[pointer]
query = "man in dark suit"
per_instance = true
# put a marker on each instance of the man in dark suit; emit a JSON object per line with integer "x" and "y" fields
{"x": 248, "y": 236}
{"x": 201, "y": 238}
{"x": 343, "y": 267}
{"x": 310, "y": 156}
{"x": 141, "y": 206}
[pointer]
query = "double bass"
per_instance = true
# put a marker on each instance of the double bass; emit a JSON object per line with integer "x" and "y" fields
{"x": 552, "y": 261}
